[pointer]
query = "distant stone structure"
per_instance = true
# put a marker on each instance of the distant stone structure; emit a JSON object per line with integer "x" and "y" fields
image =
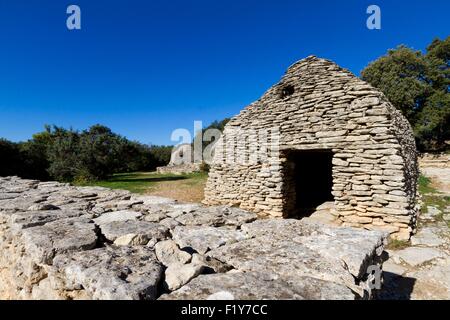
{"x": 321, "y": 134}
{"x": 181, "y": 154}
{"x": 181, "y": 161}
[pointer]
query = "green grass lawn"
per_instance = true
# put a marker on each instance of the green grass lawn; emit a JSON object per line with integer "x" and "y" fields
{"x": 154, "y": 183}
{"x": 425, "y": 185}
{"x": 431, "y": 197}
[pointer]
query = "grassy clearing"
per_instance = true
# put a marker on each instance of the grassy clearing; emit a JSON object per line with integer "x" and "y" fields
{"x": 186, "y": 187}
{"x": 425, "y": 185}
{"x": 397, "y": 244}
{"x": 431, "y": 197}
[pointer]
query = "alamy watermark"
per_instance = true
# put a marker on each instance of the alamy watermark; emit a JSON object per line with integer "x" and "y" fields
{"x": 374, "y": 20}
{"x": 374, "y": 277}
{"x": 73, "y": 21}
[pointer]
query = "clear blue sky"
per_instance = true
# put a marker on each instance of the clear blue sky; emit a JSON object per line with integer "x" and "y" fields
{"x": 145, "y": 68}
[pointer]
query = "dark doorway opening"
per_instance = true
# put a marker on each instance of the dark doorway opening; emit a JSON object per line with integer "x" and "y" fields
{"x": 311, "y": 180}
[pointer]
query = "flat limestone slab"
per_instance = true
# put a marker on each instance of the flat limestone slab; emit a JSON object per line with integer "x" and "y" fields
{"x": 283, "y": 258}
{"x": 111, "y": 273}
{"x": 123, "y": 215}
{"x": 43, "y": 243}
{"x": 28, "y": 219}
{"x": 216, "y": 216}
{"x": 257, "y": 286}
{"x": 415, "y": 256}
{"x": 292, "y": 249}
{"x": 432, "y": 282}
{"x": 86, "y": 250}
{"x": 353, "y": 247}
{"x": 204, "y": 238}
{"x": 148, "y": 230}
{"x": 428, "y": 236}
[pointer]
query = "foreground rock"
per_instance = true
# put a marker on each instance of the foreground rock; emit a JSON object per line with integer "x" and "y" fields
{"x": 204, "y": 238}
{"x": 258, "y": 286}
{"x": 293, "y": 249}
{"x": 109, "y": 273}
{"x": 178, "y": 275}
{"x": 421, "y": 271}
{"x": 63, "y": 242}
{"x": 43, "y": 243}
{"x": 416, "y": 256}
{"x": 169, "y": 253}
{"x": 141, "y": 232}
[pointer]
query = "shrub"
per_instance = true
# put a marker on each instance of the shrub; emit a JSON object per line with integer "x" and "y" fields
{"x": 418, "y": 85}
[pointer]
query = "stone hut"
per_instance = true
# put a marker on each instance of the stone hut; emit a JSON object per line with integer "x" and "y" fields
{"x": 320, "y": 135}
{"x": 181, "y": 154}
{"x": 181, "y": 161}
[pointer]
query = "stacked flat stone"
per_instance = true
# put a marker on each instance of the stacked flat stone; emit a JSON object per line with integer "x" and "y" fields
{"x": 180, "y": 168}
{"x": 63, "y": 242}
{"x": 318, "y": 105}
{"x": 435, "y": 160}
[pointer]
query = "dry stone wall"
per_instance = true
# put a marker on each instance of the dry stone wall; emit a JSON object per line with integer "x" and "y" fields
{"x": 180, "y": 168}
{"x": 63, "y": 242}
{"x": 181, "y": 161}
{"x": 318, "y": 105}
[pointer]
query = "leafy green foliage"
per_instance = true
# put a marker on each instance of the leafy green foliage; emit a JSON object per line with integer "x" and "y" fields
{"x": 219, "y": 125}
{"x": 63, "y": 153}
{"x": 34, "y": 156}
{"x": 69, "y": 155}
{"x": 425, "y": 185}
{"x": 432, "y": 197}
{"x": 161, "y": 155}
{"x": 9, "y": 158}
{"x": 204, "y": 167}
{"x": 397, "y": 244}
{"x": 90, "y": 155}
{"x": 27, "y": 160}
{"x": 418, "y": 85}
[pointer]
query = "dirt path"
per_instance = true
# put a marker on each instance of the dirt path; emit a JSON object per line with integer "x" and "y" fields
{"x": 421, "y": 270}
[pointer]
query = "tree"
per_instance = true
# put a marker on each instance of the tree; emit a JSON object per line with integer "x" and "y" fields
{"x": 161, "y": 155}
{"x": 418, "y": 85}
{"x": 34, "y": 155}
{"x": 10, "y": 160}
{"x": 68, "y": 155}
{"x": 97, "y": 153}
{"x": 134, "y": 157}
{"x": 219, "y": 125}
{"x": 101, "y": 152}
{"x": 93, "y": 154}
{"x": 63, "y": 154}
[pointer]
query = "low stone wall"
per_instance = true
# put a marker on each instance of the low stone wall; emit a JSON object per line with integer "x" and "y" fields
{"x": 435, "y": 160}
{"x": 179, "y": 169}
{"x": 63, "y": 242}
